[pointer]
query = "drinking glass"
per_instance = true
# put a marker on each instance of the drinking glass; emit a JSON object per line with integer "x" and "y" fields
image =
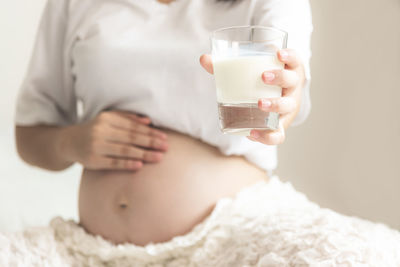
{"x": 240, "y": 55}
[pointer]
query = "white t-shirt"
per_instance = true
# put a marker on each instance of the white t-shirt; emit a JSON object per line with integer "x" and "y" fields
{"x": 143, "y": 56}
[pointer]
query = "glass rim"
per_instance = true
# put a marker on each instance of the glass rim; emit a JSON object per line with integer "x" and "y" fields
{"x": 213, "y": 33}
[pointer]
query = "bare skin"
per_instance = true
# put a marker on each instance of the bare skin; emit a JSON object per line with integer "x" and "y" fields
{"x": 164, "y": 199}
{"x": 291, "y": 79}
{"x": 114, "y": 140}
{"x": 141, "y": 184}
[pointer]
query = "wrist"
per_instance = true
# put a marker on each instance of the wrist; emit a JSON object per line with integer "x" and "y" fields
{"x": 65, "y": 145}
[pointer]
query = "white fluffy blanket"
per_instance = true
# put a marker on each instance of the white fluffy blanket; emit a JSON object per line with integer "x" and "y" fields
{"x": 266, "y": 224}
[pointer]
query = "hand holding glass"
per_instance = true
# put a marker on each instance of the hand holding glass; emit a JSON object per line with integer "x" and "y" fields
{"x": 240, "y": 55}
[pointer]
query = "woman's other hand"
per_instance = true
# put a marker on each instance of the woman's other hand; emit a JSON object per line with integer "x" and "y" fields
{"x": 291, "y": 79}
{"x": 115, "y": 140}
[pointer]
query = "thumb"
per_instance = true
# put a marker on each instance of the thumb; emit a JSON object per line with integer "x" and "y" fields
{"x": 206, "y": 63}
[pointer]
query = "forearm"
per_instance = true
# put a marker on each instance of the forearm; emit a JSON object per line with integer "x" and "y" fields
{"x": 44, "y": 146}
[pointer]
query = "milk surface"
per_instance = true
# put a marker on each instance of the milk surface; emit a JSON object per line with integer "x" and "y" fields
{"x": 238, "y": 80}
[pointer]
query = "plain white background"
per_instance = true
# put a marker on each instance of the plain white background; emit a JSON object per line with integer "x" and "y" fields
{"x": 345, "y": 157}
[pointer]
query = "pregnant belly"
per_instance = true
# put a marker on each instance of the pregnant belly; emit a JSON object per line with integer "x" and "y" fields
{"x": 165, "y": 199}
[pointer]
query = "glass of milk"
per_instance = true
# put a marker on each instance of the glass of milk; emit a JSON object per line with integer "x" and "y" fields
{"x": 240, "y": 55}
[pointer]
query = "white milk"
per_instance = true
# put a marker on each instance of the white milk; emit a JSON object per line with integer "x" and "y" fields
{"x": 238, "y": 80}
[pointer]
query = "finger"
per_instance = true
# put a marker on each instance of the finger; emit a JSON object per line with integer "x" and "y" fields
{"x": 290, "y": 58}
{"x": 281, "y": 78}
{"x": 281, "y": 105}
{"x": 140, "y": 119}
{"x": 136, "y": 117}
{"x": 110, "y": 163}
{"x": 268, "y": 137}
{"x": 131, "y": 152}
{"x": 206, "y": 63}
{"x": 122, "y": 122}
{"x": 133, "y": 138}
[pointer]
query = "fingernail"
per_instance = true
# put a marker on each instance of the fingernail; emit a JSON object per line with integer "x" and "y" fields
{"x": 255, "y": 134}
{"x": 269, "y": 76}
{"x": 284, "y": 54}
{"x": 266, "y": 103}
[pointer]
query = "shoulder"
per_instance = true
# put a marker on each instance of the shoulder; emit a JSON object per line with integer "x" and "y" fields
{"x": 78, "y": 13}
{"x": 269, "y": 3}
{"x": 67, "y": 9}
{"x": 291, "y": 8}
{"x": 78, "y": 8}
{"x": 285, "y": 14}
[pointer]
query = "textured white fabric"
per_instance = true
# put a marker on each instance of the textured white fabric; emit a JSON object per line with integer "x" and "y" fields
{"x": 143, "y": 56}
{"x": 266, "y": 224}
